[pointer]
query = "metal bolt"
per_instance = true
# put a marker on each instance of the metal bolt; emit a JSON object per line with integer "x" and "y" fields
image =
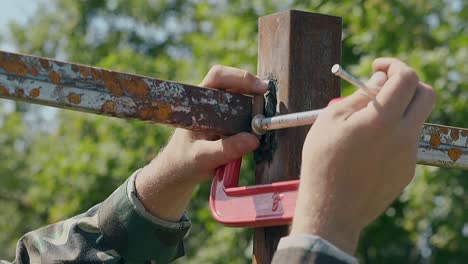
{"x": 261, "y": 124}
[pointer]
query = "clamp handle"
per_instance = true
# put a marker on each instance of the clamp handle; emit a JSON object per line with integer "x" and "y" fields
{"x": 251, "y": 206}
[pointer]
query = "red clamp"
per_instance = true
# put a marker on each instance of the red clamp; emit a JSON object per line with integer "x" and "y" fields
{"x": 251, "y": 206}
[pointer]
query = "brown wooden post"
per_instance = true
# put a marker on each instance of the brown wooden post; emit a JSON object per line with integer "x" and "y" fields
{"x": 297, "y": 50}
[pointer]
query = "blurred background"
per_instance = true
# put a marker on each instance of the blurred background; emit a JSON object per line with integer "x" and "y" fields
{"x": 55, "y": 164}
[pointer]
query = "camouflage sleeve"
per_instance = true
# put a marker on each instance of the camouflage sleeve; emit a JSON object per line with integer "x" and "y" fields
{"x": 118, "y": 230}
{"x": 310, "y": 249}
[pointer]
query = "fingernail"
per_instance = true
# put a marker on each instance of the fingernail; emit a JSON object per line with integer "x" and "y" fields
{"x": 261, "y": 86}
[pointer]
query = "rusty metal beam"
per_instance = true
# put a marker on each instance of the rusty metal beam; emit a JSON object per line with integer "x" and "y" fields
{"x": 89, "y": 89}
{"x": 443, "y": 146}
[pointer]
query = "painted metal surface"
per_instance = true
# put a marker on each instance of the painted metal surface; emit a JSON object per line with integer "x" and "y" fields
{"x": 89, "y": 89}
{"x": 443, "y": 146}
{"x": 82, "y": 88}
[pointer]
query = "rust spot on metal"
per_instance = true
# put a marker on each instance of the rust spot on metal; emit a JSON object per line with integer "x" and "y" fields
{"x": 454, "y": 153}
{"x": 34, "y": 71}
{"x": 74, "y": 98}
{"x": 135, "y": 87}
{"x": 54, "y": 77}
{"x": 19, "y": 92}
{"x": 435, "y": 141}
{"x": 108, "y": 107}
{"x": 111, "y": 83}
{"x": 454, "y": 134}
{"x": 84, "y": 71}
{"x": 464, "y": 133}
{"x": 444, "y": 130}
{"x": 44, "y": 63}
{"x": 35, "y": 93}
{"x": 3, "y": 90}
{"x": 12, "y": 65}
{"x": 163, "y": 112}
{"x": 145, "y": 113}
{"x": 95, "y": 73}
{"x": 74, "y": 68}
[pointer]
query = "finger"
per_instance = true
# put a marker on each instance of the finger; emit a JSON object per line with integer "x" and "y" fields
{"x": 388, "y": 65}
{"x": 360, "y": 98}
{"x": 421, "y": 106}
{"x": 376, "y": 81}
{"x": 224, "y": 150}
{"x": 394, "y": 97}
{"x": 234, "y": 80}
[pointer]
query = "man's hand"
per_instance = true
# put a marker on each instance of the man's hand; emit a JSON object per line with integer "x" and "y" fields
{"x": 165, "y": 185}
{"x": 360, "y": 154}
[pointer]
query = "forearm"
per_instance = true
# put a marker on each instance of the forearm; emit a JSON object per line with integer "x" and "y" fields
{"x": 319, "y": 214}
{"x": 161, "y": 190}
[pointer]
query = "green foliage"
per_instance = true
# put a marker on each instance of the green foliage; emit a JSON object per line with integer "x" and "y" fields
{"x": 51, "y": 169}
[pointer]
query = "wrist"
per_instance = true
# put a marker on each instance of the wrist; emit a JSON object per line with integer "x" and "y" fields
{"x": 320, "y": 213}
{"x": 343, "y": 238}
{"x": 162, "y": 189}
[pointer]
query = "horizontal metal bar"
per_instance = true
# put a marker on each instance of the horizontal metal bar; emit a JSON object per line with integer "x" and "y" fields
{"x": 440, "y": 146}
{"x": 443, "y": 146}
{"x": 83, "y": 88}
{"x": 89, "y": 89}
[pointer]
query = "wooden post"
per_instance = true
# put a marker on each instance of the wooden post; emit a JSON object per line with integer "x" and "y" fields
{"x": 296, "y": 50}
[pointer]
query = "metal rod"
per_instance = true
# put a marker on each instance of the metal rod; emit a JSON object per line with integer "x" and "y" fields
{"x": 88, "y": 89}
{"x": 440, "y": 146}
{"x": 345, "y": 75}
{"x": 261, "y": 124}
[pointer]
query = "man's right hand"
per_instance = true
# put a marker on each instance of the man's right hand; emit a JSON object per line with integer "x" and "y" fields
{"x": 360, "y": 154}
{"x": 165, "y": 185}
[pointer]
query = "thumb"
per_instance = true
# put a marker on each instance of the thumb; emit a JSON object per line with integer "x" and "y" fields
{"x": 225, "y": 150}
{"x": 360, "y": 98}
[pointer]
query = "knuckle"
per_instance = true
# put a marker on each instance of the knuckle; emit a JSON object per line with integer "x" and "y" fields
{"x": 216, "y": 68}
{"x": 247, "y": 76}
{"x": 430, "y": 93}
{"x": 215, "y": 74}
{"x": 331, "y": 112}
{"x": 197, "y": 154}
{"x": 408, "y": 75}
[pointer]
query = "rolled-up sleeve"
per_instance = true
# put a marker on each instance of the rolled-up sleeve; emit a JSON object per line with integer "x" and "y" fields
{"x": 118, "y": 230}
